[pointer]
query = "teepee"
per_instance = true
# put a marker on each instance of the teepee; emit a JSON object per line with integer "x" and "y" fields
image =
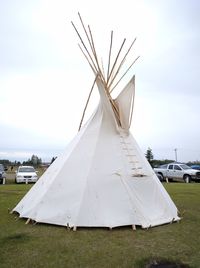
{"x": 102, "y": 179}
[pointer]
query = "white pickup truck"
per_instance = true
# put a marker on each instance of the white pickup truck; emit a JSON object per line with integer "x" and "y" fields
{"x": 178, "y": 171}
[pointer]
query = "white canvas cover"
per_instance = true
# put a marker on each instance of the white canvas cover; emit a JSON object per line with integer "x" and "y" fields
{"x": 125, "y": 103}
{"x": 102, "y": 179}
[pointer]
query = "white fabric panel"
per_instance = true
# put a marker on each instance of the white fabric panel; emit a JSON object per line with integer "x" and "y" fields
{"x": 125, "y": 103}
{"x": 102, "y": 179}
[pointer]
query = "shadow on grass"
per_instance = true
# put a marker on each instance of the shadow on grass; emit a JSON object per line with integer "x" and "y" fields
{"x": 20, "y": 237}
{"x": 160, "y": 263}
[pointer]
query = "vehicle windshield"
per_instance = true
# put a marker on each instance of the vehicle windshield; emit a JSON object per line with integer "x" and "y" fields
{"x": 163, "y": 166}
{"x": 185, "y": 167}
{"x": 26, "y": 169}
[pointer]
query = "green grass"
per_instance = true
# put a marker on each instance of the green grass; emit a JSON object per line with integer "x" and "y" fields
{"x": 53, "y": 246}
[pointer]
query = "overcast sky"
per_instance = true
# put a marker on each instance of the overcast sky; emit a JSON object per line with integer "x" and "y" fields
{"x": 45, "y": 80}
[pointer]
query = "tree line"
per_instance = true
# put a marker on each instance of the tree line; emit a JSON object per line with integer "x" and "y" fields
{"x": 37, "y": 161}
{"x": 33, "y": 161}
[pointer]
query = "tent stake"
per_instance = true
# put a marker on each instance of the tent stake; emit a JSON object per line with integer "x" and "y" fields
{"x": 10, "y": 211}
{"x": 16, "y": 218}
{"x": 27, "y": 222}
{"x": 134, "y": 227}
{"x": 68, "y": 228}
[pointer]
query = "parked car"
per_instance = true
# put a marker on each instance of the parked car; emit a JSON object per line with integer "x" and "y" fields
{"x": 197, "y": 167}
{"x": 2, "y": 174}
{"x": 26, "y": 174}
{"x": 178, "y": 171}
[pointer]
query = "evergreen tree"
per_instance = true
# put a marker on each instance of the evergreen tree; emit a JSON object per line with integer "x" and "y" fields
{"x": 34, "y": 161}
{"x": 149, "y": 155}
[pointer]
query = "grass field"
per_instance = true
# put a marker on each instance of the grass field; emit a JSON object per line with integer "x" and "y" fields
{"x": 53, "y": 246}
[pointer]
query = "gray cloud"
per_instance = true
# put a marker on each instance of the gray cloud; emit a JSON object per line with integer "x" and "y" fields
{"x": 167, "y": 76}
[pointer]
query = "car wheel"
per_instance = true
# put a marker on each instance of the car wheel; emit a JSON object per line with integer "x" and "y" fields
{"x": 161, "y": 176}
{"x": 187, "y": 179}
